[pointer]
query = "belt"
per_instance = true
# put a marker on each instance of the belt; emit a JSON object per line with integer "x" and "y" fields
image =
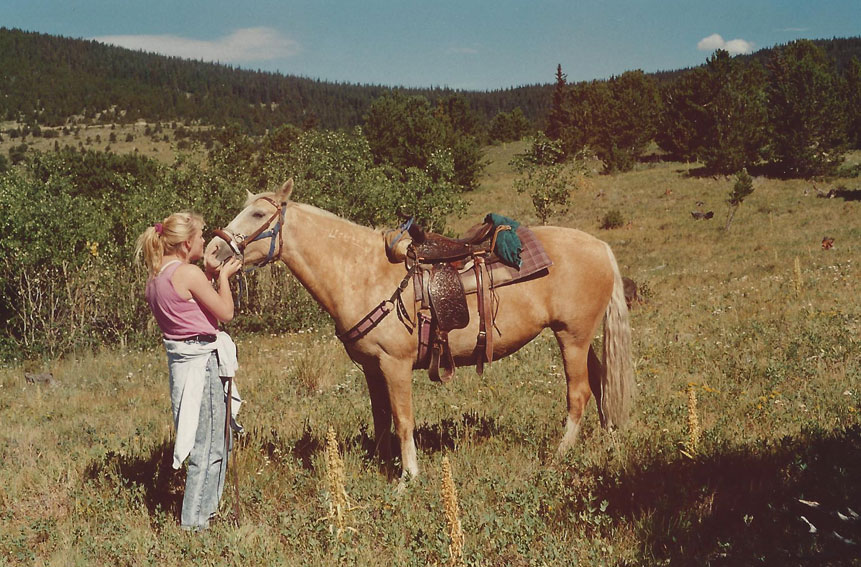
{"x": 197, "y": 338}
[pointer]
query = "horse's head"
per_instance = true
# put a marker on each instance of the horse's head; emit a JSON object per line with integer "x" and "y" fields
{"x": 255, "y": 234}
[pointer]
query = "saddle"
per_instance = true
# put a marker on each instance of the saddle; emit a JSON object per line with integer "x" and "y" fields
{"x": 440, "y": 264}
{"x": 436, "y": 248}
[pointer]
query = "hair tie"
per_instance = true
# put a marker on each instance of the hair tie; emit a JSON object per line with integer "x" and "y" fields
{"x": 158, "y": 227}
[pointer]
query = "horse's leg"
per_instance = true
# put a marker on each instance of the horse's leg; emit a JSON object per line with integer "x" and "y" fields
{"x": 596, "y": 371}
{"x": 398, "y": 374}
{"x": 574, "y": 360}
{"x": 381, "y": 411}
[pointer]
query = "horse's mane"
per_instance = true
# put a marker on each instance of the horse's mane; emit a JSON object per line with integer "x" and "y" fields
{"x": 322, "y": 212}
{"x": 304, "y": 206}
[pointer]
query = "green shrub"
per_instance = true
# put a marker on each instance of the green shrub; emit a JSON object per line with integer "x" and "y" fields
{"x": 613, "y": 219}
{"x": 70, "y": 220}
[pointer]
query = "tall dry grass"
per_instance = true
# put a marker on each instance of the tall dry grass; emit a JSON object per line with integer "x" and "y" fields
{"x": 767, "y": 346}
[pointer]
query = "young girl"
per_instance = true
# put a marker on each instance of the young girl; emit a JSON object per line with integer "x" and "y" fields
{"x": 188, "y": 309}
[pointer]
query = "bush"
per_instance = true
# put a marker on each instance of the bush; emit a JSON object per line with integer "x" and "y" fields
{"x": 613, "y": 219}
{"x": 70, "y": 220}
{"x": 68, "y": 279}
{"x": 741, "y": 189}
{"x": 509, "y": 126}
{"x": 405, "y": 132}
{"x": 547, "y": 178}
{"x": 336, "y": 171}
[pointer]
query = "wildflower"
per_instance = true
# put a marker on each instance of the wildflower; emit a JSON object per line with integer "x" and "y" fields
{"x": 693, "y": 423}
{"x": 335, "y": 477}
{"x": 797, "y": 276}
{"x": 452, "y": 514}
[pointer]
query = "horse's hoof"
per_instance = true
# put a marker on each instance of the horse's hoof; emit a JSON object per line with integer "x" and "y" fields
{"x": 404, "y": 482}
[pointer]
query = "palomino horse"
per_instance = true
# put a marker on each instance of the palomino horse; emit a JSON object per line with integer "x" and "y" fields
{"x": 344, "y": 267}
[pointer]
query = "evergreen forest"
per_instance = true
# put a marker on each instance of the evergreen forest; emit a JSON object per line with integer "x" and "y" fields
{"x": 48, "y": 80}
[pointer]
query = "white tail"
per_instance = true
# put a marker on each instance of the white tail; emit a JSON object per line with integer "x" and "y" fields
{"x": 617, "y": 378}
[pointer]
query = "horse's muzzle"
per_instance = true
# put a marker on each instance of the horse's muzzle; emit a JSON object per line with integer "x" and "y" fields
{"x": 222, "y": 247}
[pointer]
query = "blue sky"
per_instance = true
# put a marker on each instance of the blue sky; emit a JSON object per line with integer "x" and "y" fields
{"x": 462, "y": 44}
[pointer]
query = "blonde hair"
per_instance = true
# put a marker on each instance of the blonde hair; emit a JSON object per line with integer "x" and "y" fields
{"x": 166, "y": 237}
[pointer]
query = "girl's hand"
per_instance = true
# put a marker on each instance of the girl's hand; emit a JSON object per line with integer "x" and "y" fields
{"x": 230, "y": 267}
{"x": 211, "y": 267}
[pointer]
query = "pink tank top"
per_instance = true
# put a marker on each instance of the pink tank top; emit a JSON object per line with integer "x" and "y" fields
{"x": 177, "y": 318}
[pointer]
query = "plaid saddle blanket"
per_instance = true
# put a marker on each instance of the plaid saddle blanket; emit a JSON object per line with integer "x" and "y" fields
{"x": 534, "y": 264}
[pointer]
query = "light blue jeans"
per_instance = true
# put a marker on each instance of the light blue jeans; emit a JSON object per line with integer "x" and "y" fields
{"x": 207, "y": 464}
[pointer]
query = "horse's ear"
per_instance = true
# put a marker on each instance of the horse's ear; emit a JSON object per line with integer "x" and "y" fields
{"x": 285, "y": 191}
{"x": 248, "y": 194}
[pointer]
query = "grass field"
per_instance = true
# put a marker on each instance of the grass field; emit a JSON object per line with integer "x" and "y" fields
{"x": 748, "y": 369}
{"x": 139, "y": 138}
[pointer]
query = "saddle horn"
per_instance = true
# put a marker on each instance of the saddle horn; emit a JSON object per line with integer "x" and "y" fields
{"x": 417, "y": 233}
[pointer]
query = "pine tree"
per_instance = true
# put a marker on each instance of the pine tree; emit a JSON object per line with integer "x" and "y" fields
{"x": 685, "y": 119}
{"x": 717, "y": 114}
{"x": 616, "y": 119}
{"x": 557, "y": 118}
{"x": 805, "y": 110}
{"x": 736, "y": 135}
{"x": 853, "y": 103}
{"x": 742, "y": 189}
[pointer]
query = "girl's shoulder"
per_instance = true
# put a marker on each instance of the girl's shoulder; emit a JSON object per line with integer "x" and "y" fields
{"x": 188, "y": 268}
{"x": 188, "y": 272}
{"x": 190, "y": 278}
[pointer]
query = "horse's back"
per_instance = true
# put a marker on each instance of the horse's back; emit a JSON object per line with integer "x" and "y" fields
{"x": 581, "y": 262}
{"x": 572, "y": 296}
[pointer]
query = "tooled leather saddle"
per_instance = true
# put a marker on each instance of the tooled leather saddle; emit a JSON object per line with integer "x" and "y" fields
{"x": 441, "y": 266}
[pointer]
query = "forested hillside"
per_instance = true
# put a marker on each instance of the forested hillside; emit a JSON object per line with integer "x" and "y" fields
{"x": 54, "y": 81}
{"x": 47, "y": 79}
{"x": 790, "y": 111}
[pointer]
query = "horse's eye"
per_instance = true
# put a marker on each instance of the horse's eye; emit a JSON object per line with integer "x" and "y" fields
{"x": 258, "y": 215}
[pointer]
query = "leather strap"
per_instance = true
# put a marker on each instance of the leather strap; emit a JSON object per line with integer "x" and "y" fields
{"x": 231, "y": 242}
{"x": 442, "y": 362}
{"x": 253, "y": 236}
{"x": 484, "y": 342}
{"x": 367, "y": 323}
{"x": 424, "y": 332}
{"x": 481, "y": 341}
{"x": 372, "y": 319}
{"x": 486, "y": 316}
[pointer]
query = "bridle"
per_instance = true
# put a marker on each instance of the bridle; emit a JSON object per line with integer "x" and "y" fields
{"x": 238, "y": 242}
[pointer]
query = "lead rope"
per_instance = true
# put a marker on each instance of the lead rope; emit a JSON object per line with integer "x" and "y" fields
{"x": 241, "y": 287}
{"x": 227, "y": 436}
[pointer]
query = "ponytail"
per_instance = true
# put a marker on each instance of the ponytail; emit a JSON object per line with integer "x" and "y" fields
{"x": 166, "y": 237}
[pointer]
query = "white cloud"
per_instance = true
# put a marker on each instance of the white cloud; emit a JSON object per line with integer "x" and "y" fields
{"x": 243, "y": 45}
{"x": 733, "y": 46}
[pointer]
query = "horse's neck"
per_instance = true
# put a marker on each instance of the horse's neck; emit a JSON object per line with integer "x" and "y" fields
{"x": 343, "y": 265}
